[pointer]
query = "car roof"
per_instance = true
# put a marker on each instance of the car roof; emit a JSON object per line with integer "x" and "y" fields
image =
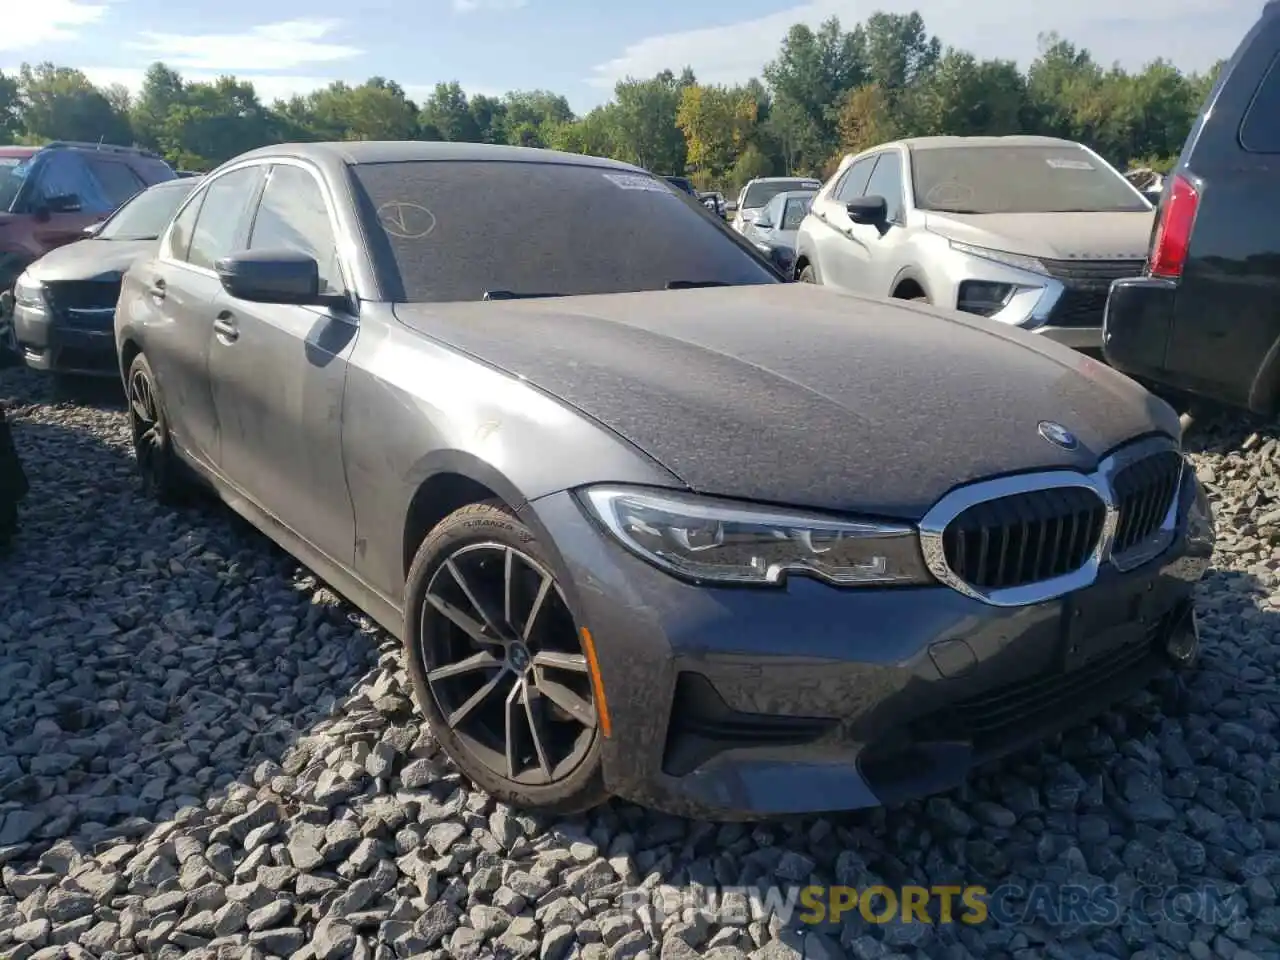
{"x": 944, "y": 143}
{"x": 777, "y": 179}
{"x": 355, "y": 152}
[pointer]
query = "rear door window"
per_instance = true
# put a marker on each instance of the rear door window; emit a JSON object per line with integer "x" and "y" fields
{"x": 1260, "y": 131}
{"x": 64, "y": 176}
{"x": 116, "y": 182}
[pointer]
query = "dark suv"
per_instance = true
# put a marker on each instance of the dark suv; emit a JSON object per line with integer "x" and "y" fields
{"x": 50, "y": 194}
{"x": 1205, "y": 316}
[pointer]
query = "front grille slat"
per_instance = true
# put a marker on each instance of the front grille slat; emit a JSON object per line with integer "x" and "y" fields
{"x": 1144, "y": 493}
{"x": 1086, "y": 284}
{"x": 1028, "y": 534}
{"x": 1041, "y": 534}
{"x": 86, "y": 304}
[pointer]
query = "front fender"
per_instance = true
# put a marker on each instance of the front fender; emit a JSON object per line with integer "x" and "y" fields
{"x": 414, "y": 408}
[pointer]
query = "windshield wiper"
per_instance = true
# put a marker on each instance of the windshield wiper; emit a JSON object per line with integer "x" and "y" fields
{"x": 512, "y": 295}
{"x": 695, "y": 284}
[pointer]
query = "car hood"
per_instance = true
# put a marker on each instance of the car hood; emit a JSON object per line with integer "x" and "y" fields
{"x": 796, "y": 394}
{"x": 1053, "y": 236}
{"x": 89, "y": 259}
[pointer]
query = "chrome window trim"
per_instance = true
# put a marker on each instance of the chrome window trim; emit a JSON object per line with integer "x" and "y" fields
{"x": 1101, "y": 482}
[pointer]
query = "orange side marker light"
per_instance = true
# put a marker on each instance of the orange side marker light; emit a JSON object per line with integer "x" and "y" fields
{"x": 597, "y": 685}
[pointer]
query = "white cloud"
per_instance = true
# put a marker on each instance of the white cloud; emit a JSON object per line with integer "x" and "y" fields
{"x": 470, "y": 6}
{"x": 1177, "y": 30}
{"x": 283, "y": 45}
{"x": 47, "y": 21}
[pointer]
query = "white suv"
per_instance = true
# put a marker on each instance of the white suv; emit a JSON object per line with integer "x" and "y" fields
{"x": 1028, "y": 231}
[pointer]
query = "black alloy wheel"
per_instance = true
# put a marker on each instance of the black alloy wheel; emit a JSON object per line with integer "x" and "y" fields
{"x": 504, "y": 666}
{"x": 158, "y": 467}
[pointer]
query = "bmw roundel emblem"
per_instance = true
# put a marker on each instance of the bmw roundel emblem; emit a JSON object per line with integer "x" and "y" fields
{"x": 1058, "y": 435}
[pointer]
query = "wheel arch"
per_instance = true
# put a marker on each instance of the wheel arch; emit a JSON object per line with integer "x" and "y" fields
{"x": 908, "y": 281}
{"x": 447, "y": 480}
{"x": 1264, "y": 392}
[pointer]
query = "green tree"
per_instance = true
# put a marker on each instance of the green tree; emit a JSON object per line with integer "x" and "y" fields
{"x": 162, "y": 90}
{"x": 215, "y": 122}
{"x": 644, "y": 123}
{"x": 10, "y": 108}
{"x": 59, "y": 103}
{"x": 964, "y": 96}
{"x": 812, "y": 72}
{"x": 717, "y": 123}
{"x": 594, "y": 134}
{"x": 864, "y": 120}
{"x": 490, "y": 116}
{"x": 753, "y": 163}
{"x": 448, "y": 111}
{"x": 375, "y": 110}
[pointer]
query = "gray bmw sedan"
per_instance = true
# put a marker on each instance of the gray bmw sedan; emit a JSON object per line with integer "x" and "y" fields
{"x": 649, "y": 521}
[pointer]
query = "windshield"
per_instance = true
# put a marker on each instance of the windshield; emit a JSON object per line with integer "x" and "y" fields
{"x": 795, "y": 212}
{"x": 1019, "y": 179}
{"x": 13, "y": 171}
{"x": 145, "y": 216}
{"x": 758, "y": 194}
{"x": 455, "y": 230}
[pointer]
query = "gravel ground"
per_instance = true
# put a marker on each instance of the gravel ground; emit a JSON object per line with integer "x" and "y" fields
{"x": 204, "y": 753}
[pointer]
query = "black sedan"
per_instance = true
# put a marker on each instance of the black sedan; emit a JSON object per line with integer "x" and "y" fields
{"x": 649, "y": 521}
{"x": 65, "y": 301}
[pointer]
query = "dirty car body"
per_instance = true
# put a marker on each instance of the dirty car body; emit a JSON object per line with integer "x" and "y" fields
{"x": 786, "y": 588}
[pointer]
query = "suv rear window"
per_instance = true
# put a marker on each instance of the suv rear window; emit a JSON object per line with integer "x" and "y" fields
{"x": 761, "y": 192}
{"x": 454, "y": 230}
{"x": 1260, "y": 131}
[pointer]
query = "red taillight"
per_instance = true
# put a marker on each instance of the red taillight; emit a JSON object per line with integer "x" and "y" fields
{"x": 1173, "y": 233}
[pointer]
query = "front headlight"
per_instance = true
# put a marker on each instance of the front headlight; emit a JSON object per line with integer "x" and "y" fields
{"x": 1016, "y": 260}
{"x": 706, "y": 539}
{"x": 29, "y": 293}
{"x": 1201, "y": 534}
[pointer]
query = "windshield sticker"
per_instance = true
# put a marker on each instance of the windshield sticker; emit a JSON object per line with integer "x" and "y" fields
{"x": 1058, "y": 163}
{"x": 635, "y": 181}
{"x": 408, "y": 221}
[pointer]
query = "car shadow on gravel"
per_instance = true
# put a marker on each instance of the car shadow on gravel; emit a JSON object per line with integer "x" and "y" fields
{"x": 202, "y": 747}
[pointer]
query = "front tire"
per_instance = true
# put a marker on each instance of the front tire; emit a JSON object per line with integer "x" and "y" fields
{"x": 808, "y": 274}
{"x": 160, "y": 471}
{"x": 497, "y": 667}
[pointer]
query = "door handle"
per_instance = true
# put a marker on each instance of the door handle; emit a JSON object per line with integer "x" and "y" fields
{"x": 156, "y": 289}
{"x": 224, "y": 326}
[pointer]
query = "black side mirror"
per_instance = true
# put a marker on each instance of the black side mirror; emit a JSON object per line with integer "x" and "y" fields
{"x": 274, "y": 276}
{"x": 871, "y": 211}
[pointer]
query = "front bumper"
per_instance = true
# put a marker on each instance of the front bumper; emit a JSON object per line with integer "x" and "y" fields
{"x": 47, "y": 342}
{"x": 739, "y": 703}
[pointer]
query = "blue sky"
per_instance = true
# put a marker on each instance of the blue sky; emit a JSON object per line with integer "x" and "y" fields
{"x": 571, "y": 46}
